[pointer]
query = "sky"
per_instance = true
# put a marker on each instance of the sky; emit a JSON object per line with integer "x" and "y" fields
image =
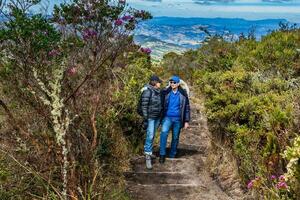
{"x": 246, "y": 9}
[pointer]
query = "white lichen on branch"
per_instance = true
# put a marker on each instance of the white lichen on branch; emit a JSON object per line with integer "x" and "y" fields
{"x": 59, "y": 115}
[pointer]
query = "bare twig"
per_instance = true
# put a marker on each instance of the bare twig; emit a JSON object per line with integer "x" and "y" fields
{"x": 28, "y": 169}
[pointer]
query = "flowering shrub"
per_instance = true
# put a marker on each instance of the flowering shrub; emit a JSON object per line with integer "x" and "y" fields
{"x": 88, "y": 33}
{"x": 272, "y": 188}
{"x": 58, "y": 75}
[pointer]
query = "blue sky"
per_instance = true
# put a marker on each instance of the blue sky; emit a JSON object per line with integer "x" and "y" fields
{"x": 247, "y": 9}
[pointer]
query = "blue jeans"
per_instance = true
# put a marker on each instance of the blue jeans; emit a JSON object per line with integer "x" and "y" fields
{"x": 151, "y": 129}
{"x": 167, "y": 123}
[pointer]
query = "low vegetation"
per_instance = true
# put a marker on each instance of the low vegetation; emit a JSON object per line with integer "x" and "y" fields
{"x": 251, "y": 91}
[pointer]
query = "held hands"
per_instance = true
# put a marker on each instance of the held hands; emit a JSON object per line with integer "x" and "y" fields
{"x": 186, "y": 125}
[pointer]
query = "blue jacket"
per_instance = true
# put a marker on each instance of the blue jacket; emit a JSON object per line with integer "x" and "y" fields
{"x": 184, "y": 104}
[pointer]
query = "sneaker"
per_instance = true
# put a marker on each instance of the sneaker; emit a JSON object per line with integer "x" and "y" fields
{"x": 162, "y": 159}
{"x": 148, "y": 162}
{"x": 153, "y": 157}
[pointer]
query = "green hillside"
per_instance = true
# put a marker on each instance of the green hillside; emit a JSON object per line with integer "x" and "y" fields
{"x": 251, "y": 91}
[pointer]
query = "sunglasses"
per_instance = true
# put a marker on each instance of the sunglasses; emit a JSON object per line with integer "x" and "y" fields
{"x": 173, "y": 82}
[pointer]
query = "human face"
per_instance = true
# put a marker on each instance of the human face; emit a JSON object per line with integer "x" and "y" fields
{"x": 174, "y": 85}
{"x": 157, "y": 85}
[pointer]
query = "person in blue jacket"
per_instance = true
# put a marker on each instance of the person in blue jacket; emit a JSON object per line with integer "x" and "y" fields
{"x": 176, "y": 115}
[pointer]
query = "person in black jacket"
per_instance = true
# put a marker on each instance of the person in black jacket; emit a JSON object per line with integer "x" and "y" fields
{"x": 176, "y": 114}
{"x": 151, "y": 110}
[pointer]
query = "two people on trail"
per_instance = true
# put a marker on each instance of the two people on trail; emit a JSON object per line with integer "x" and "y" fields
{"x": 169, "y": 107}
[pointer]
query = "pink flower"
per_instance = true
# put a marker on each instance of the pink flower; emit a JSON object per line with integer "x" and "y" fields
{"x": 72, "y": 71}
{"x": 53, "y": 52}
{"x": 282, "y": 185}
{"x": 89, "y": 33}
{"x": 273, "y": 177}
{"x": 281, "y": 178}
{"x": 118, "y": 22}
{"x": 127, "y": 17}
{"x": 250, "y": 184}
{"x": 146, "y": 50}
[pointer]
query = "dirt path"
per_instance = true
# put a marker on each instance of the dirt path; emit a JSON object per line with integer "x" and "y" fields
{"x": 185, "y": 177}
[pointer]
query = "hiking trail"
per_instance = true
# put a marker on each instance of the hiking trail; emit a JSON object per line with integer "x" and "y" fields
{"x": 185, "y": 177}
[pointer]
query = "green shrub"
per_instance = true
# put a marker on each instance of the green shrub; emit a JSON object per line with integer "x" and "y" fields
{"x": 250, "y": 90}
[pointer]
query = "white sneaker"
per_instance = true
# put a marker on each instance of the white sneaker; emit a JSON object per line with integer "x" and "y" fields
{"x": 148, "y": 162}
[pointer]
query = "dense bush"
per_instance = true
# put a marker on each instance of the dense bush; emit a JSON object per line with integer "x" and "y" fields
{"x": 67, "y": 87}
{"x": 252, "y": 103}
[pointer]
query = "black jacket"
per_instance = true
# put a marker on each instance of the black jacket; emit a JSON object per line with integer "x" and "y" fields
{"x": 151, "y": 102}
{"x": 184, "y": 104}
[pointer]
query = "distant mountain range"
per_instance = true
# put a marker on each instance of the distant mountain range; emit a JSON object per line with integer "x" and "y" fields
{"x": 165, "y": 34}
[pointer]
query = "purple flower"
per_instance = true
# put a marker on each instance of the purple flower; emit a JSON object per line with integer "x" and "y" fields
{"x": 273, "y": 177}
{"x": 89, "y": 33}
{"x": 146, "y": 50}
{"x": 282, "y": 185}
{"x": 127, "y": 17}
{"x": 281, "y": 178}
{"x": 250, "y": 184}
{"x": 94, "y": 33}
{"x": 72, "y": 71}
{"x": 118, "y": 22}
{"x": 53, "y": 52}
{"x": 122, "y": 1}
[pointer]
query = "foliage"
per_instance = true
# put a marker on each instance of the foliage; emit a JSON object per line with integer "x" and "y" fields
{"x": 252, "y": 94}
{"x": 63, "y": 81}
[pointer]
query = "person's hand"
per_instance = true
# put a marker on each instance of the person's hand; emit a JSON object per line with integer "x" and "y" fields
{"x": 186, "y": 125}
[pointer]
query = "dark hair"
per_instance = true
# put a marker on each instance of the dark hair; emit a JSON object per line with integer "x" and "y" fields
{"x": 153, "y": 83}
